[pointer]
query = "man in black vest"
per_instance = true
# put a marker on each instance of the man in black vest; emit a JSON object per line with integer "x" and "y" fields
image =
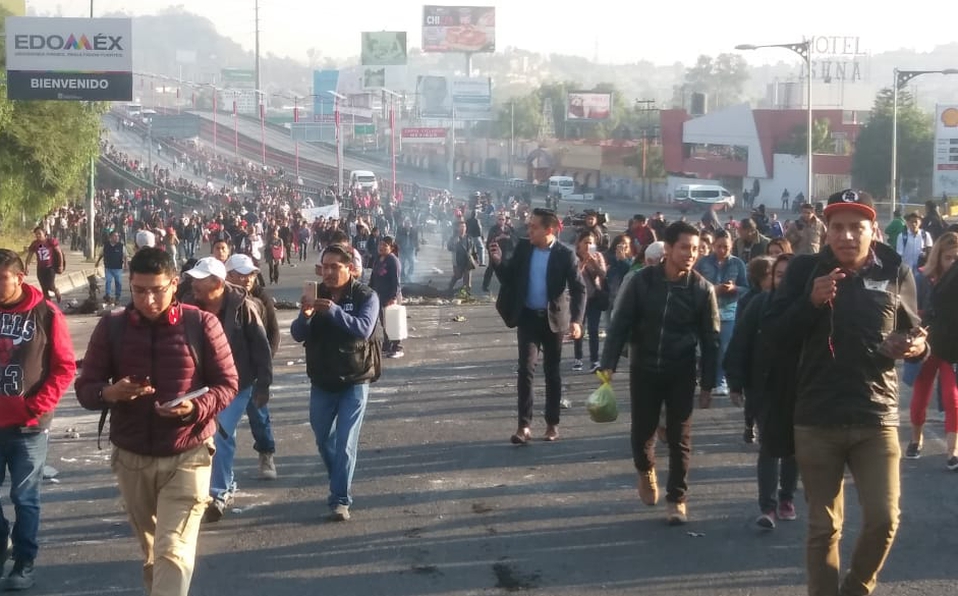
{"x": 544, "y": 296}
{"x": 343, "y": 338}
{"x": 114, "y": 262}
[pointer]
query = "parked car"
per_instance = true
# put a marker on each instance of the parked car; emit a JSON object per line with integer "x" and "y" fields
{"x": 687, "y": 196}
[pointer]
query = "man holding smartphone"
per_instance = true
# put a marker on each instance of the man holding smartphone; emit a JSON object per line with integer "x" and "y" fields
{"x": 162, "y": 456}
{"x": 846, "y": 315}
{"x": 339, "y": 326}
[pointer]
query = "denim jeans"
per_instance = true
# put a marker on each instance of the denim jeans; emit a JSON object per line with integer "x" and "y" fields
{"x": 336, "y": 418}
{"x": 872, "y": 456}
{"x": 23, "y": 455}
{"x": 114, "y": 278}
{"x": 725, "y": 336}
{"x": 222, "y": 485}
{"x": 407, "y": 261}
{"x": 593, "y": 316}
{"x": 261, "y": 427}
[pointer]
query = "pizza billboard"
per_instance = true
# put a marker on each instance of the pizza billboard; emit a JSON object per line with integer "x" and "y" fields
{"x": 466, "y": 29}
{"x": 588, "y": 106}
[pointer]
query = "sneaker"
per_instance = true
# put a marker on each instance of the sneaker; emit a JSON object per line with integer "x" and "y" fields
{"x": 267, "y": 467}
{"x": 215, "y": 511}
{"x": 21, "y": 578}
{"x": 576, "y": 365}
{"x": 396, "y": 354}
{"x": 552, "y": 433}
{"x": 595, "y": 367}
{"x": 913, "y": 451}
{"x": 340, "y": 513}
{"x": 766, "y": 521}
{"x": 648, "y": 488}
{"x": 749, "y": 435}
{"x": 952, "y": 463}
{"x": 786, "y": 510}
{"x": 720, "y": 391}
{"x": 678, "y": 514}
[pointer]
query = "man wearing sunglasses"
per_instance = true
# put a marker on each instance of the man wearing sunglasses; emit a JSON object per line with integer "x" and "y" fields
{"x": 846, "y": 315}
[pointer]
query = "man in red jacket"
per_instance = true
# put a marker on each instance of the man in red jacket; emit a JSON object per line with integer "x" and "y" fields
{"x": 137, "y": 363}
{"x": 36, "y": 367}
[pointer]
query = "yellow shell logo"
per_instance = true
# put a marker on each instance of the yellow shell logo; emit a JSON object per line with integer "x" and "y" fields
{"x": 950, "y": 118}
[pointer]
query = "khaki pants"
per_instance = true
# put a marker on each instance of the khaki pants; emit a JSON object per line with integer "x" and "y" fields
{"x": 872, "y": 456}
{"x": 166, "y": 498}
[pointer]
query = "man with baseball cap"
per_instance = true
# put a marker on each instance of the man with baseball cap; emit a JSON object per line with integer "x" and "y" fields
{"x": 242, "y": 272}
{"x": 847, "y": 314}
{"x": 246, "y": 335}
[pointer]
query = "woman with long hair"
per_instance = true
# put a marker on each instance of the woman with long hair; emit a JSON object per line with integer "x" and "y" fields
{"x": 943, "y": 255}
{"x": 593, "y": 269}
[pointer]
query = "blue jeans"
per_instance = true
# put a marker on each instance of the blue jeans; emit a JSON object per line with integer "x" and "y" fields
{"x": 23, "y": 454}
{"x": 262, "y": 429}
{"x": 593, "y": 317}
{"x": 725, "y": 336}
{"x": 338, "y": 445}
{"x": 407, "y": 263}
{"x": 114, "y": 278}
{"x": 222, "y": 485}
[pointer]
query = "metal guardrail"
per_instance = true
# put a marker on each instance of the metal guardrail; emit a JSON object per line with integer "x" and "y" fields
{"x": 184, "y": 201}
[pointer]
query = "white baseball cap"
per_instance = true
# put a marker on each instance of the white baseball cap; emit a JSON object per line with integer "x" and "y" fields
{"x": 241, "y": 264}
{"x": 145, "y": 238}
{"x": 206, "y": 267}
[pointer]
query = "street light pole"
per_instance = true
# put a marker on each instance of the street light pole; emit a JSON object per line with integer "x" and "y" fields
{"x": 803, "y": 49}
{"x": 339, "y": 137}
{"x": 91, "y": 199}
{"x": 393, "y": 96}
{"x": 900, "y": 79}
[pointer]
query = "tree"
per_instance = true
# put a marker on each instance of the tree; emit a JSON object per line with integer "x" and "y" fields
{"x": 797, "y": 143}
{"x": 722, "y": 78}
{"x": 871, "y": 165}
{"x": 528, "y": 118}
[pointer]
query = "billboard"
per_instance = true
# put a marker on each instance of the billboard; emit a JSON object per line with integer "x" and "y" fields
{"x": 461, "y": 98}
{"x": 423, "y": 135}
{"x": 468, "y": 29}
{"x": 588, "y": 105}
{"x": 238, "y": 77}
{"x": 324, "y": 81}
{"x": 374, "y": 78}
{"x": 383, "y": 48}
{"x": 69, "y": 59}
{"x": 945, "y": 178}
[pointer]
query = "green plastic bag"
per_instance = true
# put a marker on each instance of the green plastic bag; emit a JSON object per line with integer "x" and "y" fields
{"x": 601, "y": 404}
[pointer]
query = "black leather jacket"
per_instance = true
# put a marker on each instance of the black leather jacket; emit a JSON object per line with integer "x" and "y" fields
{"x": 665, "y": 321}
{"x": 842, "y": 379}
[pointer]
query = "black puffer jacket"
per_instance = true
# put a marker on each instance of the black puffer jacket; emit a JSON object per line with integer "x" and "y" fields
{"x": 842, "y": 379}
{"x": 665, "y": 321}
{"x": 943, "y": 318}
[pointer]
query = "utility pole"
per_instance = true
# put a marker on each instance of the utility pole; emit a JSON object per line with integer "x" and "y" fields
{"x": 646, "y": 106}
{"x": 259, "y": 86}
{"x": 91, "y": 199}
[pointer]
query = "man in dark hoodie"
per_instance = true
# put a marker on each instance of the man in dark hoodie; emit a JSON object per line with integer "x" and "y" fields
{"x": 38, "y": 366}
{"x": 243, "y": 273}
{"x": 845, "y": 315}
{"x": 246, "y": 335}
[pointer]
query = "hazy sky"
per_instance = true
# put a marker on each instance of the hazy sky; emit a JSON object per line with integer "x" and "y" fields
{"x": 663, "y": 32}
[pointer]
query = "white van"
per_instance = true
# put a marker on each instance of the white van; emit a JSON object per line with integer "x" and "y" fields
{"x": 561, "y": 185}
{"x": 363, "y": 180}
{"x": 717, "y": 197}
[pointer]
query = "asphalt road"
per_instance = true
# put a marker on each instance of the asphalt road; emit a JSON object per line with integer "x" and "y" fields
{"x": 445, "y": 506}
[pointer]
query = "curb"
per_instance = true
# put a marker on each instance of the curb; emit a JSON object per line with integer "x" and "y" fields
{"x": 67, "y": 282}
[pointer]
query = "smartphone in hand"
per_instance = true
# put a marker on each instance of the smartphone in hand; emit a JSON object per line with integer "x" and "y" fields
{"x": 311, "y": 290}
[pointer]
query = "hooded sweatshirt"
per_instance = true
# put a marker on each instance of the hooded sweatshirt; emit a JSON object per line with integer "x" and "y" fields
{"x": 36, "y": 360}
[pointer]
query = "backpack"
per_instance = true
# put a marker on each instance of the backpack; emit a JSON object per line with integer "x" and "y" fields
{"x": 116, "y": 323}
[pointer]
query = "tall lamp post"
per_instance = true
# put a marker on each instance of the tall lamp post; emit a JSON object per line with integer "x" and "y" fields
{"x": 339, "y": 137}
{"x": 393, "y": 96}
{"x": 901, "y": 79}
{"x": 803, "y": 49}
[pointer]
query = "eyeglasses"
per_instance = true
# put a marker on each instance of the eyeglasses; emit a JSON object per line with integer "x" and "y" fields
{"x": 153, "y": 292}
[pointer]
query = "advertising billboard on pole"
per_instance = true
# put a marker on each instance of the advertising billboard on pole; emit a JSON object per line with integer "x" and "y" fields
{"x": 69, "y": 59}
{"x": 423, "y": 135}
{"x": 945, "y": 178}
{"x": 588, "y": 106}
{"x": 383, "y": 48}
{"x": 468, "y": 29}
{"x": 470, "y": 98}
